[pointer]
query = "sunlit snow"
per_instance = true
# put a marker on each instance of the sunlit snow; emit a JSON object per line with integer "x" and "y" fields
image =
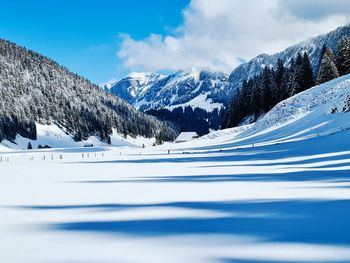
{"x": 274, "y": 191}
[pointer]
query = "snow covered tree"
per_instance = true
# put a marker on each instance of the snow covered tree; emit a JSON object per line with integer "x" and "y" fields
{"x": 329, "y": 52}
{"x": 327, "y": 70}
{"x": 343, "y": 56}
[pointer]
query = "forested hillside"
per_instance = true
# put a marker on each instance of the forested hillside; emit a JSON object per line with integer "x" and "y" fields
{"x": 35, "y": 89}
{"x": 261, "y": 93}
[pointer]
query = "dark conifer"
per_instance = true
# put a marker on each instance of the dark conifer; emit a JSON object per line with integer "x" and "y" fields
{"x": 29, "y": 147}
{"x": 308, "y": 78}
{"x": 327, "y": 71}
{"x": 343, "y": 56}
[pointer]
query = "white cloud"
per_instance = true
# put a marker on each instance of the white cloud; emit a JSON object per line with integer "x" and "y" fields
{"x": 220, "y": 33}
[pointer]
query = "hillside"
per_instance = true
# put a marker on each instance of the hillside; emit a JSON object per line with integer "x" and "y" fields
{"x": 320, "y": 111}
{"x": 312, "y": 47}
{"x": 36, "y": 90}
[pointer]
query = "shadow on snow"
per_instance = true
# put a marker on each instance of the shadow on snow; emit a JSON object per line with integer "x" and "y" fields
{"x": 307, "y": 221}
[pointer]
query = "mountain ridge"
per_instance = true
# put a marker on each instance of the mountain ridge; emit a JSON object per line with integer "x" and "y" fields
{"x": 312, "y": 47}
{"x": 205, "y": 90}
{"x": 244, "y": 71}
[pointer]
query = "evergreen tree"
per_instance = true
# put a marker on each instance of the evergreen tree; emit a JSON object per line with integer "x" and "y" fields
{"x": 29, "y": 147}
{"x": 323, "y": 50}
{"x": 256, "y": 98}
{"x": 330, "y": 54}
{"x": 327, "y": 71}
{"x": 301, "y": 76}
{"x": 293, "y": 86}
{"x": 234, "y": 112}
{"x": 280, "y": 72}
{"x": 280, "y": 78}
{"x": 268, "y": 85}
{"x": 284, "y": 88}
{"x": 343, "y": 56}
{"x": 299, "y": 71}
{"x": 246, "y": 97}
{"x": 308, "y": 78}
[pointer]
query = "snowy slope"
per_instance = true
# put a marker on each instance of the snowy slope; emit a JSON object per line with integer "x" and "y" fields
{"x": 303, "y": 116}
{"x": 306, "y": 115}
{"x": 55, "y": 137}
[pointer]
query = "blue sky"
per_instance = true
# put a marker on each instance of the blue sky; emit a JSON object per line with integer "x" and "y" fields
{"x": 83, "y": 34}
{"x": 107, "y": 39}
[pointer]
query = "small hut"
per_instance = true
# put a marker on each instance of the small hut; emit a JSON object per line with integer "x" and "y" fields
{"x": 186, "y": 136}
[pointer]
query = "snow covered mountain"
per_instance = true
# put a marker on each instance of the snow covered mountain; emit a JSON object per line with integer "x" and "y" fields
{"x": 133, "y": 87}
{"x": 153, "y": 91}
{"x": 37, "y": 92}
{"x": 202, "y": 89}
{"x": 312, "y": 47}
{"x": 208, "y": 90}
{"x": 191, "y": 100}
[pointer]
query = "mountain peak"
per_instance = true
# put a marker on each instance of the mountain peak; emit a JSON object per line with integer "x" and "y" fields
{"x": 142, "y": 75}
{"x": 147, "y": 90}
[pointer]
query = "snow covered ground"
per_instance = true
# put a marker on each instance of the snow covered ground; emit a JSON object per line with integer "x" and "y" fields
{"x": 55, "y": 137}
{"x": 274, "y": 191}
{"x": 277, "y": 203}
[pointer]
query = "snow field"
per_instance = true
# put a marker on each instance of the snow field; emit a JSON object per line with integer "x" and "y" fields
{"x": 271, "y": 203}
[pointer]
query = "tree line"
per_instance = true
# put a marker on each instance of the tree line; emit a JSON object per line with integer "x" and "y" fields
{"x": 189, "y": 119}
{"x": 261, "y": 93}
